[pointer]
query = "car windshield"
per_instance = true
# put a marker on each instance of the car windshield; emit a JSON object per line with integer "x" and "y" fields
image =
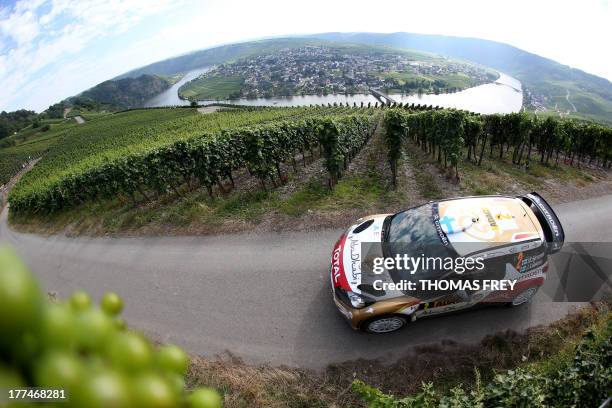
{"x": 416, "y": 233}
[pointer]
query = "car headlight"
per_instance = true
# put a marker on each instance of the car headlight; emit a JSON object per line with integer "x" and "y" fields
{"x": 358, "y": 301}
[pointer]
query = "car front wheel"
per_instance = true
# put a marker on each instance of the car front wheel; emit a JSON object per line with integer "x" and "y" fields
{"x": 385, "y": 324}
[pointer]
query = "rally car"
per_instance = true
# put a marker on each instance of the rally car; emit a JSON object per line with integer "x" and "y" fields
{"x": 511, "y": 236}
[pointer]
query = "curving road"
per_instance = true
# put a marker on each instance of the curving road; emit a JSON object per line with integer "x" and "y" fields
{"x": 264, "y": 297}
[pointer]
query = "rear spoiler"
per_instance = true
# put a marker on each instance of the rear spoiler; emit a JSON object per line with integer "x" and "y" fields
{"x": 553, "y": 231}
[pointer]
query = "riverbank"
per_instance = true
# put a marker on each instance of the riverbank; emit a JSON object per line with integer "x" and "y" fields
{"x": 504, "y": 95}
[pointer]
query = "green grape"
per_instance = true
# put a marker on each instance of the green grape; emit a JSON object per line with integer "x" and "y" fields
{"x": 172, "y": 358}
{"x": 152, "y": 391}
{"x": 58, "y": 326}
{"x": 21, "y": 300}
{"x": 120, "y": 324}
{"x": 111, "y": 303}
{"x": 205, "y": 398}
{"x": 59, "y": 369}
{"x": 129, "y": 352}
{"x": 176, "y": 381}
{"x": 80, "y": 300}
{"x": 103, "y": 389}
{"x": 93, "y": 328}
{"x": 86, "y": 350}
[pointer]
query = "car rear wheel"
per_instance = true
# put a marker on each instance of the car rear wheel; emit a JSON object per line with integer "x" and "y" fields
{"x": 524, "y": 297}
{"x": 385, "y": 324}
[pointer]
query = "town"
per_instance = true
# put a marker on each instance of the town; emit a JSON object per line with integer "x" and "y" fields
{"x": 321, "y": 70}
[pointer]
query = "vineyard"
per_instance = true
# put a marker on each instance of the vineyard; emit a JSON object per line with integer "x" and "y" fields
{"x": 29, "y": 144}
{"x": 450, "y": 135}
{"x": 145, "y": 154}
{"x": 139, "y": 153}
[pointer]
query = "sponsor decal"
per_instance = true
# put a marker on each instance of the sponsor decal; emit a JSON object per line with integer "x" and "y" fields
{"x": 519, "y": 261}
{"x": 482, "y": 219}
{"x": 439, "y": 303}
{"x": 549, "y": 217}
{"x": 436, "y": 221}
{"x": 355, "y": 254}
{"x": 490, "y": 219}
{"x": 528, "y": 263}
{"x": 442, "y": 309}
{"x": 337, "y": 269}
{"x": 408, "y": 310}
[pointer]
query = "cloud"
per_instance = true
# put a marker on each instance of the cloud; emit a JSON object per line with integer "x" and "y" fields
{"x": 38, "y": 36}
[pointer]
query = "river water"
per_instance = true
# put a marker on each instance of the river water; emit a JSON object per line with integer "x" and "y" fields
{"x": 170, "y": 96}
{"x": 502, "y": 96}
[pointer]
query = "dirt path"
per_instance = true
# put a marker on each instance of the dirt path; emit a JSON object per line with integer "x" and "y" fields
{"x": 567, "y": 97}
{"x": 5, "y": 189}
{"x": 79, "y": 119}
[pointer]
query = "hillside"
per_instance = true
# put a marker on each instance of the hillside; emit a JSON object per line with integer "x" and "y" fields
{"x": 550, "y": 84}
{"x": 11, "y": 122}
{"x": 127, "y": 92}
{"x": 217, "y": 55}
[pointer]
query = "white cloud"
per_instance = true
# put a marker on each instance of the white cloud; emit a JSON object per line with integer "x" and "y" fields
{"x": 38, "y": 46}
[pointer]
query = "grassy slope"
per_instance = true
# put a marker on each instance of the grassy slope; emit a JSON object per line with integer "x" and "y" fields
{"x": 215, "y": 88}
{"x": 453, "y": 80}
{"x": 30, "y": 143}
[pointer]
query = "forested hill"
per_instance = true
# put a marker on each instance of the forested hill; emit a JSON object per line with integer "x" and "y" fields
{"x": 552, "y": 85}
{"x": 217, "y": 55}
{"x": 11, "y": 122}
{"x": 127, "y": 92}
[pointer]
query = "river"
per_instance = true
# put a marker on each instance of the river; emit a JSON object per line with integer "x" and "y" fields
{"x": 170, "y": 96}
{"x": 502, "y": 96}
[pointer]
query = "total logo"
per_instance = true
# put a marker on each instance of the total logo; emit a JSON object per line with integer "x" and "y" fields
{"x": 336, "y": 273}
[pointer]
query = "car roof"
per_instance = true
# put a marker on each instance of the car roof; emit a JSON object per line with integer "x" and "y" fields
{"x": 479, "y": 223}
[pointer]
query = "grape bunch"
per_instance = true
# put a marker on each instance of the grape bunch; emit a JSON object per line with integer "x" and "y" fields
{"x": 86, "y": 350}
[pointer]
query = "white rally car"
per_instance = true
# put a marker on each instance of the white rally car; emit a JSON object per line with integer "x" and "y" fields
{"x": 512, "y": 235}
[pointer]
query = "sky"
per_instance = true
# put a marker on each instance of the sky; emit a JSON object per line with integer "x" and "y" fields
{"x": 52, "y": 49}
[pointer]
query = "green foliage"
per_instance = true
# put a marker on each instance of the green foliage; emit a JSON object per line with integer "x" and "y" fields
{"x": 447, "y": 133}
{"x": 28, "y": 144}
{"x": 584, "y": 381}
{"x": 340, "y": 140}
{"x": 213, "y": 87}
{"x": 85, "y": 350}
{"x": 11, "y": 122}
{"x": 393, "y": 139}
{"x": 156, "y": 151}
{"x": 436, "y": 131}
{"x": 121, "y": 93}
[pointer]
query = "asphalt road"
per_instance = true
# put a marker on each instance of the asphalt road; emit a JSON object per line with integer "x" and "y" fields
{"x": 264, "y": 297}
